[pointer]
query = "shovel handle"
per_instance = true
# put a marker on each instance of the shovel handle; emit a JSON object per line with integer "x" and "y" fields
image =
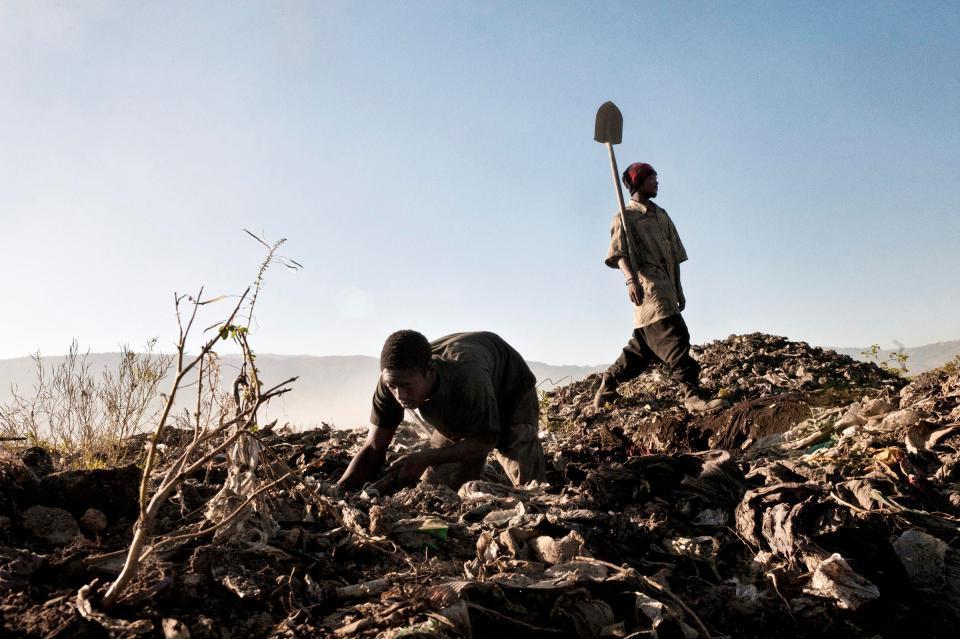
{"x": 623, "y": 208}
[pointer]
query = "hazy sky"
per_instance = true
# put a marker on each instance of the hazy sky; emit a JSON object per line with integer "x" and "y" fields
{"x": 433, "y": 167}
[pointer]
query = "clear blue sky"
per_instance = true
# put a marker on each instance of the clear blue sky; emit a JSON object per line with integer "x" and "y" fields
{"x": 433, "y": 167}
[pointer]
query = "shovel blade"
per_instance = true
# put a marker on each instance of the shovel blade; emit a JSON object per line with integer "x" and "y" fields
{"x": 609, "y": 125}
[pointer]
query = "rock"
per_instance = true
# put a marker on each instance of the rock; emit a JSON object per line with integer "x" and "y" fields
{"x": 22, "y": 563}
{"x": 923, "y": 556}
{"x": 94, "y": 520}
{"x": 932, "y": 566}
{"x": 175, "y": 629}
{"x": 557, "y": 551}
{"x": 52, "y": 525}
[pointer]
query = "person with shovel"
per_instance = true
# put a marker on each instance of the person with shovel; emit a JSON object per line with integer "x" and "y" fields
{"x": 649, "y": 254}
{"x": 477, "y": 394}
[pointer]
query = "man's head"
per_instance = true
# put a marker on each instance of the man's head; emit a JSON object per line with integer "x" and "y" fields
{"x": 406, "y": 368}
{"x": 641, "y": 179}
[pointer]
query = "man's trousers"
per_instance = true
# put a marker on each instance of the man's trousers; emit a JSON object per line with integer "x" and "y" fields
{"x": 667, "y": 341}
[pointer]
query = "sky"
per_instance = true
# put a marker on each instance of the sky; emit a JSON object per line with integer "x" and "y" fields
{"x": 432, "y": 166}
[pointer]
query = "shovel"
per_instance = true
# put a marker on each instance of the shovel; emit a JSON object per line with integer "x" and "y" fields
{"x": 609, "y": 130}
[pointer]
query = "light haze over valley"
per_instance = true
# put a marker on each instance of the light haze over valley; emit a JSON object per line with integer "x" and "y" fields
{"x": 336, "y": 389}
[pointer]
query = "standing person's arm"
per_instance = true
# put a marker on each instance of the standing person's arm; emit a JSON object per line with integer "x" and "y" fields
{"x": 369, "y": 459}
{"x": 634, "y": 289}
{"x": 618, "y": 256}
{"x": 681, "y": 300}
{"x": 680, "y": 254}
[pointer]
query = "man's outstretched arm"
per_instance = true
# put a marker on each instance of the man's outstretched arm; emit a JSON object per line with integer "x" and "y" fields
{"x": 369, "y": 459}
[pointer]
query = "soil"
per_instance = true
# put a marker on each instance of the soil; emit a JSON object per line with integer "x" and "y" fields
{"x": 823, "y": 502}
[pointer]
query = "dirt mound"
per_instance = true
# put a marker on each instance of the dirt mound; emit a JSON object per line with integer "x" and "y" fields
{"x": 773, "y": 384}
{"x": 823, "y": 507}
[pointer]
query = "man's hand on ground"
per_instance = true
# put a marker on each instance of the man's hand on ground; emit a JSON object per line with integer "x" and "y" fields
{"x": 635, "y": 293}
{"x": 410, "y": 467}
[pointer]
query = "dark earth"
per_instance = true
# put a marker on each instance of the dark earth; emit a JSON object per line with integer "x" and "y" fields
{"x": 824, "y": 502}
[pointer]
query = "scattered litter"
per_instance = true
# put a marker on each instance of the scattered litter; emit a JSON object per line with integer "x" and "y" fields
{"x": 825, "y": 501}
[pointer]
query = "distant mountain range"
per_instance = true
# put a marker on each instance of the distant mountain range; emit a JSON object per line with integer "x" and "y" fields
{"x": 337, "y": 389}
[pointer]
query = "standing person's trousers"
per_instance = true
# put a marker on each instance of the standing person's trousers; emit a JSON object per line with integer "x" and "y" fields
{"x": 668, "y": 341}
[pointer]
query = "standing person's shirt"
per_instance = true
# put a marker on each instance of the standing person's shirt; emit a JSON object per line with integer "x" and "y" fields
{"x": 658, "y": 253}
{"x": 481, "y": 380}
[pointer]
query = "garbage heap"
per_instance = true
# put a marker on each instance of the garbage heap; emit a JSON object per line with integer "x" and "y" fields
{"x": 825, "y": 502}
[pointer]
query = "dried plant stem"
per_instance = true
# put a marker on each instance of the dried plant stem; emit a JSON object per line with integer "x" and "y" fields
{"x": 149, "y": 510}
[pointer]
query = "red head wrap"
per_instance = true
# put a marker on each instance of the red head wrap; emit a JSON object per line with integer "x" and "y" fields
{"x": 635, "y": 174}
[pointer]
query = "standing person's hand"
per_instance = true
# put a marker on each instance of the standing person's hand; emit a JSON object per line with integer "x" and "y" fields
{"x": 635, "y": 292}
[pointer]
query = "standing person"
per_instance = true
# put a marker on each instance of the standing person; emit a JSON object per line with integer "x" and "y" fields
{"x": 652, "y": 276}
{"x": 474, "y": 390}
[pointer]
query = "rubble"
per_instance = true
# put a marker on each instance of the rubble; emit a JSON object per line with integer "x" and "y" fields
{"x": 94, "y": 520}
{"x": 50, "y": 525}
{"x": 824, "y": 502}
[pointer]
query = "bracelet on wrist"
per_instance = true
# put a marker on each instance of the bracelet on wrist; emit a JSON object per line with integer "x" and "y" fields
{"x": 632, "y": 279}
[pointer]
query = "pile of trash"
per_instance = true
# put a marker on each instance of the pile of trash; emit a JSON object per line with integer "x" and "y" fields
{"x": 832, "y": 509}
{"x": 772, "y": 383}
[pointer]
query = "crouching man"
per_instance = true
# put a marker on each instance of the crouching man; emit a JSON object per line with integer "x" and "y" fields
{"x": 475, "y": 392}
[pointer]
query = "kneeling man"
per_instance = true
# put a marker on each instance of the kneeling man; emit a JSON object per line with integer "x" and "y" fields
{"x": 477, "y": 394}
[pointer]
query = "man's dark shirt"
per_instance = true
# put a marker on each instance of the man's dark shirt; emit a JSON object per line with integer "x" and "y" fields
{"x": 481, "y": 380}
